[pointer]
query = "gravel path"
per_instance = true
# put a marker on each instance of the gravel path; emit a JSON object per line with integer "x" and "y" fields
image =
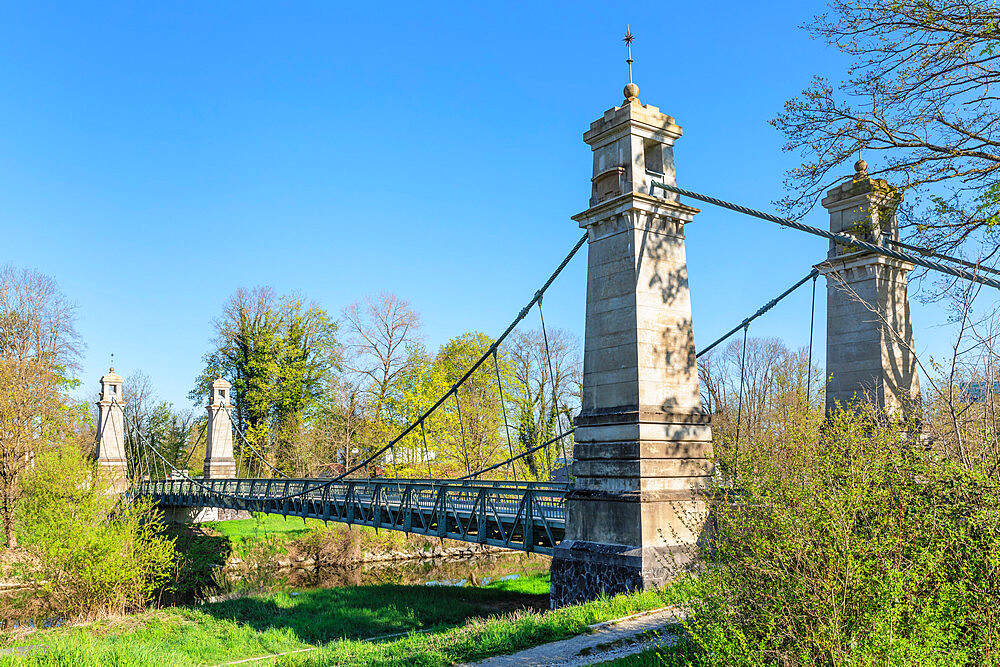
{"x": 607, "y": 641}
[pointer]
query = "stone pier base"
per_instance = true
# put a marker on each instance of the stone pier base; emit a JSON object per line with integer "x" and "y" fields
{"x": 220, "y": 469}
{"x": 583, "y": 571}
{"x": 668, "y": 546}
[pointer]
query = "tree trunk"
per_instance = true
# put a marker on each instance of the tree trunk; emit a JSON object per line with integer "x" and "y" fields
{"x": 8, "y": 523}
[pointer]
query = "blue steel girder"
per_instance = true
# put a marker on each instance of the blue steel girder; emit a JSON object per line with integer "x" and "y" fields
{"x": 528, "y": 516}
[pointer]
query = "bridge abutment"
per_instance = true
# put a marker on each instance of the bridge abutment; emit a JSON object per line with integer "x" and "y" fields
{"x": 219, "y": 461}
{"x": 111, "y": 431}
{"x": 869, "y": 350}
{"x": 642, "y": 457}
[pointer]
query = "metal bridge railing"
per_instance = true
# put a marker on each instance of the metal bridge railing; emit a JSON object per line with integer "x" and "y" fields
{"x": 528, "y": 516}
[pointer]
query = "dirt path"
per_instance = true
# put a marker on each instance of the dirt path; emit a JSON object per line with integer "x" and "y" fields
{"x": 607, "y": 641}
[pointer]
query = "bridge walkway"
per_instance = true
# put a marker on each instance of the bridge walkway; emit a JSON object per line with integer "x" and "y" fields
{"x": 527, "y": 516}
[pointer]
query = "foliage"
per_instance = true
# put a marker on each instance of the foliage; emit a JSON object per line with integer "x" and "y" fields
{"x": 39, "y": 347}
{"x": 95, "y": 554}
{"x": 279, "y": 353}
{"x": 851, "y": 544}
{"x": 544, "y": 395}
{"x": 762, "y": 388}
{"x": 919, "y": 96}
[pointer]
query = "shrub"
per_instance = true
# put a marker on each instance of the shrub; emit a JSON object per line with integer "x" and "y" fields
{"x": 96, "y": 552}
{"x": 851, "y": 543}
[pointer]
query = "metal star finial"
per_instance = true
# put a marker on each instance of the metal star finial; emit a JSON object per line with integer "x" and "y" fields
{"x": 629, "y": 38}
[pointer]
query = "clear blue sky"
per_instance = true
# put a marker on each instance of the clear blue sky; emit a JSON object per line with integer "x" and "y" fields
{"x": 156, "y": 156}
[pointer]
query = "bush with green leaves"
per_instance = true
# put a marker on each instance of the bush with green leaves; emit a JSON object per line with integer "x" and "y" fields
{"x": 96, "y": 552}
{"x": 850, "y": 542}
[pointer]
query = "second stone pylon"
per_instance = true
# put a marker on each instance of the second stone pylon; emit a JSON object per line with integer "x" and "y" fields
{"x": 219, "y": 461}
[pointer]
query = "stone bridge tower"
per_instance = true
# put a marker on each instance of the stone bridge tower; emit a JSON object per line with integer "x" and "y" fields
{"x": 643, "y": 443}
{"x": 219, "y": 461}
{"x": 869, "y": 337}
{"x": 111, "y": 431}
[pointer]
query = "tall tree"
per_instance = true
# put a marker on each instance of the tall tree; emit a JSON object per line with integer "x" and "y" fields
{"x": 470, "y": 427}
{"x": 39, "y": 349}
{"x": 545, "y": 397}
{"x": 381, "y": 329}
{"x": 151, "y": 422}
{"x": 919, "y": 102}
{"x": 279, "y": 352}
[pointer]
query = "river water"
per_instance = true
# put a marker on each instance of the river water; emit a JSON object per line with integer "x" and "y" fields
{"x": 443, "y": 571}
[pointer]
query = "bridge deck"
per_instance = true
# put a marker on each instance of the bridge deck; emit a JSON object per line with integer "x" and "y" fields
{"x": 529, "y": 516}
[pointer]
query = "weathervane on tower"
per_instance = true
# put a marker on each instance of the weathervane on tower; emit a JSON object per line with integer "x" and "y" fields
{"x": 631, "y": 90}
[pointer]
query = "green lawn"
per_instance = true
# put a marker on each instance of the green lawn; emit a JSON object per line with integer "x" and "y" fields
{"x": 271, "y": 524}
{"x": 443, "y": 625}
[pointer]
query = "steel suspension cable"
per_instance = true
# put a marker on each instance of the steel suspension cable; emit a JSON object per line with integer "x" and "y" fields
{"x": 812, "y": 321}
{"x": 843, "y": 239}
{"x": 187, "y": 461}
{"x": 427, "y": 456}
{"x": 760, "y": 311}
{"x": 461, "y": 428}
{"x": 739, "y": 412}
{"x": 138, "y": 435}
{"x": 520, "y": 316}
{"x": 503, "y": 408}
{"x": 253, "y": 449}
{"x": 552, "y": 381}
{"x": 956, "y": 260}
{"x": 519, "y": 456}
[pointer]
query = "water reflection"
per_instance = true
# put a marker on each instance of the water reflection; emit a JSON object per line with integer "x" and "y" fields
{"x": 442, "y": 571}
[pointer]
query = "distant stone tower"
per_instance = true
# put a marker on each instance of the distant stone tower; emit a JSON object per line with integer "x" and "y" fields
{"x": 111, "y": 431}
{"x": 219, "y": 461}
{"x": 869, "y": 336}
{"x": 643, "y": 444}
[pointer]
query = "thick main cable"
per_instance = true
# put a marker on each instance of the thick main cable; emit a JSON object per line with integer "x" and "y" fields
{"x": 515, "y": 458}
{"x": 496, "y": 344}
{"x": 843, "y": 239}
{"x": 957, "y": 260}
{"x": 520, "y": 316}
{"x": 246, "y": 442}
{"x": 763, "y": 309}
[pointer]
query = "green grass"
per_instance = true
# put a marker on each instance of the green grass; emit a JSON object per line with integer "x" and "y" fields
{"x": 244, "y": 533}
{"x": 455, "y": 624}
{"x": 271, "y": 524}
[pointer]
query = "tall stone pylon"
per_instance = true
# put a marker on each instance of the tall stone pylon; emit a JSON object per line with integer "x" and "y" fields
{"x": 111, "y": 431}
{"x": 642, "y": 457}
{"x": 219, "y": 461}
{"x": 869, "y": 336}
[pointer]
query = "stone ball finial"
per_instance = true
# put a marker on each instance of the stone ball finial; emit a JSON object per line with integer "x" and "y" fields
{"x": 631, "y": 92}
{"x": 861, "y": 167}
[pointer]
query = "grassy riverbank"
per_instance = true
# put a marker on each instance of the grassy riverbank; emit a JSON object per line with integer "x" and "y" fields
{"x": 439, "y": 626}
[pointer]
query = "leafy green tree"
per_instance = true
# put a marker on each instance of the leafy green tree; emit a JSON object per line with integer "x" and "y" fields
{"x": 94, "y": 553}
{"x": 544, "y": 398}
{"x": 280, "y": 354}
{"x": 421, "y": 383}
{"x": 39, "y": 349}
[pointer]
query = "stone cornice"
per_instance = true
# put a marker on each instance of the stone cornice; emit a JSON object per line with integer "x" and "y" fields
{"x": 861, "y": 259}
{"x": 633, "y": 118}
{"x": 636, "y": 201}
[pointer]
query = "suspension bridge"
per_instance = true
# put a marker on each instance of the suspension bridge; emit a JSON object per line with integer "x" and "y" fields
{"x": 641, "y": 444}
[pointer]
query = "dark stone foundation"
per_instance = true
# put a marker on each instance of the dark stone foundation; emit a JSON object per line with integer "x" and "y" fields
{"x": 584, "y": 571}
